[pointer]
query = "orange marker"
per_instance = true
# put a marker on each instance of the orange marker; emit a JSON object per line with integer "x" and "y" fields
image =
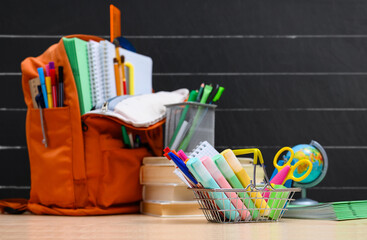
{"x": 117, "y": 78}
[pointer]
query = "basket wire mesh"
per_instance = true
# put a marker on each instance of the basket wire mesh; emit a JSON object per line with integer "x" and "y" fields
{"x": 275, "y": 204}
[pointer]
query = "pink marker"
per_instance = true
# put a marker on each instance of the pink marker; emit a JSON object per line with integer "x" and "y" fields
{"x": 223, "y": 183}
{"x": 182, "y": 155}
{"x": 47, "y": 70}
{"x": 278, "y": 179}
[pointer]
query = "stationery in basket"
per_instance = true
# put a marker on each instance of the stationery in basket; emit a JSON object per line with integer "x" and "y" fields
{"x": 240, "y": 199}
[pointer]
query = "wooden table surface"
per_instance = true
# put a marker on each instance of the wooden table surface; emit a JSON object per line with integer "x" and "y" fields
{"x": 28, "y": 226}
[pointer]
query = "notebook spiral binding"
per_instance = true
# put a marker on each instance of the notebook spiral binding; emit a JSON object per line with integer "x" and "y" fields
{"x": 108, "y": 54}
{"x": 203, "y": 149}
{"x": 95, "y": 72}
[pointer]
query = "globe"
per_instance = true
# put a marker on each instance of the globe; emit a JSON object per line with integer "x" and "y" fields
{"x": 318, "y": 157}
{"x": 306, "y": 151}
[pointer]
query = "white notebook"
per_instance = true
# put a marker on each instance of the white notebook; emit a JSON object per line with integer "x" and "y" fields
{"x": 108, "y": 53}
{"x": 202, "y": 150}
{"x": 143, "y": 69}
{"x": 95, "y": 72}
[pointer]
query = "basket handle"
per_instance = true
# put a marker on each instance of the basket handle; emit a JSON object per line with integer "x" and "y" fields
{"x": 255, "y": 151}
{"x": 257, "y": 155}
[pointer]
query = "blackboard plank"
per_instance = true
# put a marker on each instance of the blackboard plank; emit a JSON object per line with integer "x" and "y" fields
{"x": 255, "y": 55}
{"x": 14, "y": 193}
{"x": 278, "y": 128}
{"x": 249, "y": 128}
{"x": 15, "y": 170}
{"x": 333, "y": 195}
{"x": 11, "y": 96}
{"x": 12, "y": 127}
{"x": 226, "y": 55}
{"x": 277, "y": 92}
{"x": 190, "y": 17}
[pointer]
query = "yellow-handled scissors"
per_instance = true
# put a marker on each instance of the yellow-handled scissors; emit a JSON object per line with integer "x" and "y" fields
{"x": 286, "y": 171}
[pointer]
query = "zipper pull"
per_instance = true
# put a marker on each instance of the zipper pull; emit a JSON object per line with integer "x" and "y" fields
{"x": 105, "y": 107}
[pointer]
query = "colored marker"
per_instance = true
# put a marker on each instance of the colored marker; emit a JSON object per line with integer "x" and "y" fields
{"x": 182, "y": 166}
{"x": 49, "y": 91}
{"x": 207, "y": 91}
{"x": 117, "y": 78}
{"x": 43, "y": 85}
{"x": 125, "y": 137}
{"x": 53, "y": 86}
{"x": 61, "y": 87}
{"x": 218, "y": 95}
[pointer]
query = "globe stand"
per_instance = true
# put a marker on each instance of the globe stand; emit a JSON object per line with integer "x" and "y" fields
{"x": 304, "y": 200}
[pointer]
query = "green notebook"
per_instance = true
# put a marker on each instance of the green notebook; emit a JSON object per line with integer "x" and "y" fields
{"x": 329, "y": 211}
{"x": 77, "y": 52}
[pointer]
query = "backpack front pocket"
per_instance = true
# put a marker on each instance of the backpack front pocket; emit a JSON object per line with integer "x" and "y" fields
{"x": 51, "y": 166}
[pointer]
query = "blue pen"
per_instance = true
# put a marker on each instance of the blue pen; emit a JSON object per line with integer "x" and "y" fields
{"x": 182, "y": 166}
{"x": 43, "y": 85}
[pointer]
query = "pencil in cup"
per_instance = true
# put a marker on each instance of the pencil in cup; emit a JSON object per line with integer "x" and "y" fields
{"x": 245, "y": 180}
{"x": 223, "y": 183}
{"x": 192, "y": 97}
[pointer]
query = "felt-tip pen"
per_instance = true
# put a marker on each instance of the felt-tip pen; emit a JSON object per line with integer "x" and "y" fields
{"x": 53, "y": 84}
{"x": 43, "y": 85}
{"x": 49, "y": 91}
{"x": 61, "y": 87}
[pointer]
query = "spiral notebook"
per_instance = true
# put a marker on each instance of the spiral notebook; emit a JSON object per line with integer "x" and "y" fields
{"x": 102, "y": 76}
{"x": 95, "y": 72}
{"x": 107, "y": 53}
{"x": 202, "y": 150}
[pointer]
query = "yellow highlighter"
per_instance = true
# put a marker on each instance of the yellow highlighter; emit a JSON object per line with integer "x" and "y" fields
{"x": 245, "y": 180}
{"x": 130, "y": 75}
{"x": 49, "y": 92}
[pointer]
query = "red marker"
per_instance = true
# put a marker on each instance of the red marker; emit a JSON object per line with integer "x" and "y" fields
{"x": 53, "y": 83}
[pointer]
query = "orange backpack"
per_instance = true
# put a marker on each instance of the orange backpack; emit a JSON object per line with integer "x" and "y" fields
{"x": 86, "y": 169}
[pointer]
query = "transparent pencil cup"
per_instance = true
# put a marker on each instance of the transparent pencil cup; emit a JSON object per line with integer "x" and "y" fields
{"x": 188, "y": 124}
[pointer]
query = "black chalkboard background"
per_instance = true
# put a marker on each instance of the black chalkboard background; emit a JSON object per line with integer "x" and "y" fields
{"x": 294, "y": 71}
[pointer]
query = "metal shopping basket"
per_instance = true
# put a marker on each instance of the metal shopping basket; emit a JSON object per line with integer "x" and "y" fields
{"x": 255, "y": 203}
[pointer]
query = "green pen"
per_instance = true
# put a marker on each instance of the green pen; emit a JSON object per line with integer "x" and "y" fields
{"x": 206, "y": 92}
{"x": 219, "y": 94}
{"x": 125, "y": 137}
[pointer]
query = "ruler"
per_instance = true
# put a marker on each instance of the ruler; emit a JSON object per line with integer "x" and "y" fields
{"x": 33, "y": 83}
